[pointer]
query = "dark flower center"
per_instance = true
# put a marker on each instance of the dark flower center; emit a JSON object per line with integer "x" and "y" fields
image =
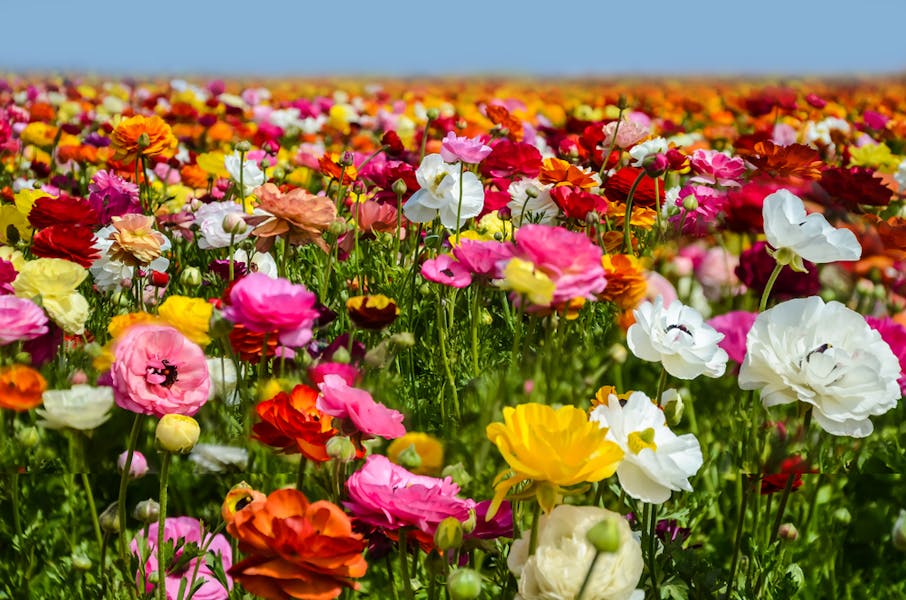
{"x": 679, "y": 326}
{"x": 167, "y": 371}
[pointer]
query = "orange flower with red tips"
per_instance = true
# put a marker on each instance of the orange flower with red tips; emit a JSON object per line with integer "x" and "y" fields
{"x": 140, "y": 135}
{"x": 792, "y": 161}
{"x": 21, "y": 388}
{"x": 560, "y": 172}
{"x": 293, "y": 422}
{"x": 501, "y": 117}
{"x": 296, "y": 549}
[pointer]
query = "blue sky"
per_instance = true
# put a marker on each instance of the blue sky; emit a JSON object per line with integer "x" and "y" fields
{"x": 406, "y": 37}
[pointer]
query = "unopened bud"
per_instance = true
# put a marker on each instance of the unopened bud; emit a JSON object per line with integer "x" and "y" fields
{"x": 341, "y": 355}
{"x": 432, "y": 114}
{"x": 80, "y": 561}
{"x": 898, "y": 535}
{"x": 137, "y": 468}
{"x": 458, "y": 474}
{"x": 618, "y": 353}
{"x": 146, "y": 511}
{"x": 448, "y": 534}
{"x": 378, "y": 357}
{"x": 243, "y": 146}
{"x": 672, "y": 403}
{"x": 337, "y": 228}
{"x": 177, "y": 433}
{"x": 690, "y": 202}
{"x": 605, "y": 535}
{"x": 464, "y": 584}
{"x": 788, "y": 532}
{"x": 399, "y": 187}
{"x": 28, "y": 437}
{"x": 656, "y": 165}
{"x": 340, "y": 448}
{"x": 144, "y": 141}
{"x": 233, "y": 223}
{"x": 471, "y": 522}
{"x": 190, "y": 277}
{"x": 22, "y": 358}
{"x": 592, "y": 218}
{"x": 409, "y": 458}
{"x": 109, "y": 520}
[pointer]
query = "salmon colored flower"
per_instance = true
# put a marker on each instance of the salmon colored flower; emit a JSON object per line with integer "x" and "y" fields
{"x": 148, "y": 136}
{"x": 293, "y": 423}
{"x": 298, "y": 216}
{"x": 135, "y": 243}
{"x": 296, "y": 549}
{"x": 551, "y": 447}
{"x": 21, "y": 388}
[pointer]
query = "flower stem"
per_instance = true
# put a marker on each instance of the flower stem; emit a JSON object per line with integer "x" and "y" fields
{"x": 651, "y": 513}
{"x": 124, "y": 481}
{"x": 473, "y": 323}
{"x": 767, "y": 288}
{"x": 661, "y": 384}
{"x": 740, "y": 522}
{"x": 86, "y": 483}
{"x": 300, "y": 473}
{"x": 587, "y": 580}
{"x": 627, "y": 233}
{"x": 404, "y": 565}
{"x": 536, "y": 517}
{"x": 161, "y": 520}
{"x": 442, "y": 342}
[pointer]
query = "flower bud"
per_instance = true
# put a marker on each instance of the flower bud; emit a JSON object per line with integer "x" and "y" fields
{"x": 448, "y": 534}
{"x": 788, "y": 532}
{"x": 403, "y": 339}
{"x": 137, "y": 469}
{"x": 22, "y": 358}
{"x": 78, "y": 377}
{"x": 432, "y": 114}
{"x": 337, "y": 228}
{"x": 605, "y": 535}
{"x": 464, "y": 584}
{"x": 233, "y": 223}
{"x": 377, "y": 357}
{"x": 109, "y": 520}
{"x": 458, "y": 474}
{"x": 656, "y": 165}
{"x": 471, "y": 522}
{"x": 190, "y": 277}
{"x": 618, "y": 353}
{"x": 80, "y": 561}
{"x": 177, "y": 433}
{"x": 899, "y": 532}
{"x": 28, "y": 437}
{"x": 399, "y": 187}
{"x": 672, "y": 403}
{"x": 690, "y": 203}
{"x": 144, "y": 140}
{"x": 219, "y": 327}
{"x": 341, "y": 355}
{"x": 340, "y": 448}
{"x": 146, "y": 511}
{"x": 243, "y": 146}
{"x": 409, "y": 458}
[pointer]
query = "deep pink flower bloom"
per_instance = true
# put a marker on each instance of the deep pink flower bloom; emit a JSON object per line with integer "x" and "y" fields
{"x": 895, "y": 335}
{"x": 112, "y": 196}
{"x": 468, "y": 150}
{"x": 341, "y": 401}
{"x": 385, "y": 495}
{"x": 20, "y": 319}
{"x": 8, "y": 274}
{"x": 716, "y": 168}
{"x": 137, "y": 468}
{"x": 263, "y": 305}
{"x": 317, "y": 373}
{"x": 481, "y": 258}
{"x": 735, "y": 326}
{"x": 568, "y": 258}
{"x": 701, "y": 220}
{"x": 188, "y": 530}
{"x": 445, "y": 270}
{"x": 157, "y": 371}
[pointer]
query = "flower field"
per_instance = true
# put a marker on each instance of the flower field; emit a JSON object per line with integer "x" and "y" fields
{"x": 434, "y": 339}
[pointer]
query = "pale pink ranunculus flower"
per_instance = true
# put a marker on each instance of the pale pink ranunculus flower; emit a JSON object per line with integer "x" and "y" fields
{"x": 20, "y": 320}
{"x": 716, "y": 168}
{"x": 385, "y": 495}
{"x": 629, "y": 133}
{"x": 468, "y": 150}
{"x": 263, "y": 304}
{"x": 445, "y": 270}
{"x": 137, "y": 468}
{"x": 158, "y": 371}
{"x": 190, "y": 531}
{"x": 716, "y": 272}
{"x": 339, "y": 400}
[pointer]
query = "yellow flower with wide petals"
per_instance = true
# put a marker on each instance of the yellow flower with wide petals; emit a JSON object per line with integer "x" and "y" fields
{"x": 551, "y": 447}
{"x": 522, "y": 277}
{"x": 191, "y": 316}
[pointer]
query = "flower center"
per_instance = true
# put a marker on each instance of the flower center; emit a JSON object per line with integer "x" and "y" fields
{"x": 639, "y": 440}
{"x": 679, "y": 326}
{"x": 163, "y": 373}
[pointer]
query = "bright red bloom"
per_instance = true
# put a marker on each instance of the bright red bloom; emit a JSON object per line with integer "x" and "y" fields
{"x": 65, "y": 210}
{"x": 293, "y": 423}
{"x": 511, "y": 159}
{"x": 793, "y": 466}
{"x": 854, "y": 186}
{"x": 577, "y": 203}
{"x": 793, "y": 161}
{"x": 71, "y": 242}
{"x": 618, "y": 186}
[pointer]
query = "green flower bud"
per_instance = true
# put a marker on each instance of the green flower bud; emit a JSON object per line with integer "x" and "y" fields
{"x": 672, "y": 403}
{"x": 399, "y": 187}
{"x": 448, "y": 534}
{"x": 341, "y": 355}
{"x": 605, "y": 535}
{"x": 788, "y": 532}
{"x": 109, "y": 520}
{"x": 80, "y": 561}
{"x": 432, "y": 114}
{"x": 243, "y": 146}
{"x": 458, "y": 474}
{"x": 28, "y": 437}
{"x": 464, "y": 584}
{"x": 146, "y": 511}
{"x": 899, "y": 532}
{"x": 410, "y": 458}
{"x": 190, "y": 277}
{"x": 340, "y": 448}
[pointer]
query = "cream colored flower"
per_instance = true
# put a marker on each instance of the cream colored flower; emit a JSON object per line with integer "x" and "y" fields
{"x": 81, "y": 407}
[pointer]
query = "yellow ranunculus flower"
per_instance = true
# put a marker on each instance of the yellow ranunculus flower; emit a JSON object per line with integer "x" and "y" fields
{"x": 552, "y": 448}
{"x": 191, "y": 316}
{"x": 428, "y": 448}
{"x": 522, "y": 277}
{"x": 39, "y": 134}
{"x": 878, "y": 156}
{"x": 212, "y": 163}
{"x": 10, "y": 216}
{"x": 49, "y": 278}
{"x": 69, "y": 311}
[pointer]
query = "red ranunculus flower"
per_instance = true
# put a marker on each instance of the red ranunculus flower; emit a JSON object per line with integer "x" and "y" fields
{"x": 577, "y": 203}
{"x": 854, "y": 186}
{"x": 65, "y": 210}
{"x": 71, "y": 242}
{"x": 293, "y": 423}
{"x": 510, "y": 159}
{"x": 793, "y": 466}
{"x": 618, "y": 186}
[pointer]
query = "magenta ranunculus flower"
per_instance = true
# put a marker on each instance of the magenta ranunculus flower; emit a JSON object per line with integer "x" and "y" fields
{"x": 895, "y": 335}
{"x": 111, "y": 196}
{"x": 263, "y": 305}
{"x": 735, "y": 326}
{"x": 480, "y": 257}
{"x": 468, "y": 150}
{"x": 158, "y": 371}
{"x": 339, "y": 400}
{"x": 20, "y": 319}
{"x": 716, "y": 168}
{"x": 446, "y": 271}
{"x": 385, "y": 495}
{"x": 188, "y": 530}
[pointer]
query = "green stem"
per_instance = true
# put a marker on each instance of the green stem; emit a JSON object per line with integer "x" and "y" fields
{"x": 740, "y": 522}
{"x": 536, "y": 518}
{"x": 161, "y": 520}
{"x": 86, "y": 483}
{"x": 404, "y": 565}
{"x": 124, "y": 482}
{"x": 661, "y": 384}
{"x": 14, "y": 494}
{"x": 473, "y": 325}
{"x": 627, "y": 232}
{"x": 300, "y": 473}
{"x": 767, "y": 288}
{"x": 442, "y": 342}
{"x": 613, "y": 143}
{"x": 652, "y": 548}
{"x": 587, "y": 580}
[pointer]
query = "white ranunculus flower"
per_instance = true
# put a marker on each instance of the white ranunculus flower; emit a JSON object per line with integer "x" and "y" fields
{"x": 825, "y": 355}
{"x": 532, "y": 202}
{"x": 563, "y": 556}
{"x": 811, "y": 237}
{"x": 107, "y": 273}
{"x": 677, "y": 337}
{"x": 81, "y": 407}
{"x": 213, "y": 458}
{"x": 252, "y": 175}
{"x": 440, "y": 193}
{"x": 640, "y": 152}
{"x": 655, "y": 460}
{"x": 209, "y": 218}
{"x": 262, "y": 262}
{"x": 223, "y": 379}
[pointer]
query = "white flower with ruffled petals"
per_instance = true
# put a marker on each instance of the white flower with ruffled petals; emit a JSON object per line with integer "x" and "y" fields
{"x": 825, "y": 355}
{"x": 655, "y": 461}
{"x": 443, "y": 194}
{"x": 677, "y": 337}
{"x": 81, "y": 407}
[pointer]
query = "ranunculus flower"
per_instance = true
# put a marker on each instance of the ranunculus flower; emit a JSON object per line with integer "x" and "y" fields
{"x": 293, "y": 423}
{"x": 735, "y": 326}
{"x": 342, "y": 401}
{"x": 65, "y": 210}
{"x": 825, "y": 355}
{"x": 294, "y": 548}
{"x": 20, "y": 319}
{"x": 480, "y": 258}
{"x": 716, "y": 168}
{"x": 564, "y": 554}
{"x": 388, "y": 496}
{"x": 135, "y": 242}
{"x": 446, "y": 190}
{"x": 468, "y": 150}
{"x": 188, "y": 530}
{"x": 678, "y": 338}
{"x": 74, "y": 243}
{"x": 127, "y": 137}
{"x": 297, "y": 216}
{"x": 264, "y": 305}
{"x": 209, "y": 219}
{"x": 158, "y": 371}
{"x": 655, "y": 460}
{"x": 112, "y": 196}
{"x": 215, "y": 458}
{"x": 244, "y": 168}
{"x": 21, "y": 387}
{"x": 137, "y": 468}
{"x": 787, "y": 228}
{"x": 755, "y": 267}
{"x": 531, "y": 202}
{"x": 82, "y": 407}
{"x": 894, "y": 334}
{"x": 191, "y": 316}
{"x": 445, "y": 270}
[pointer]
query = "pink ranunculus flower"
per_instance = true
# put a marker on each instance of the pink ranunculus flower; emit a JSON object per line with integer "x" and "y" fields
{"x": 468, "y": 150}
{"x": 263, "y": 304}
{"x": 480, "y": 257}
{"x": 446, "y": 271}
{"x": 158, "y": 371}
{"x": 568, "y": 258}
{"x": 138, "y": 468}
{"x": 20, "y": 319}
{"x": 317, "y": 373}
{"x": 716, "y": 168}
{"x": 188, "y": 530}
{"x": 895, "y": 335}
{"x": 385, "y": 495}
{"x": 735, "y": 326}
{"x": 716, "y": 272}
{"x": 339, "y": 400}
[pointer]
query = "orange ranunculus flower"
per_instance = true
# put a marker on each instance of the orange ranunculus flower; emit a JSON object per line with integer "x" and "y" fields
{"x": 626, "y": 282}
{"x": 194, "y": 176}
{"x": 294, "y": 423}
{"x": 21, "y": 388}
{"x": 501, "y": 116}
{"x": 137, "y": 135}
{"x": 792, "y": 161}
{"x": 332, "y": 169}
{"x": 560, "y": 172}
{"x": 298, "y": 215}
{"x": 296, "y": 549}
